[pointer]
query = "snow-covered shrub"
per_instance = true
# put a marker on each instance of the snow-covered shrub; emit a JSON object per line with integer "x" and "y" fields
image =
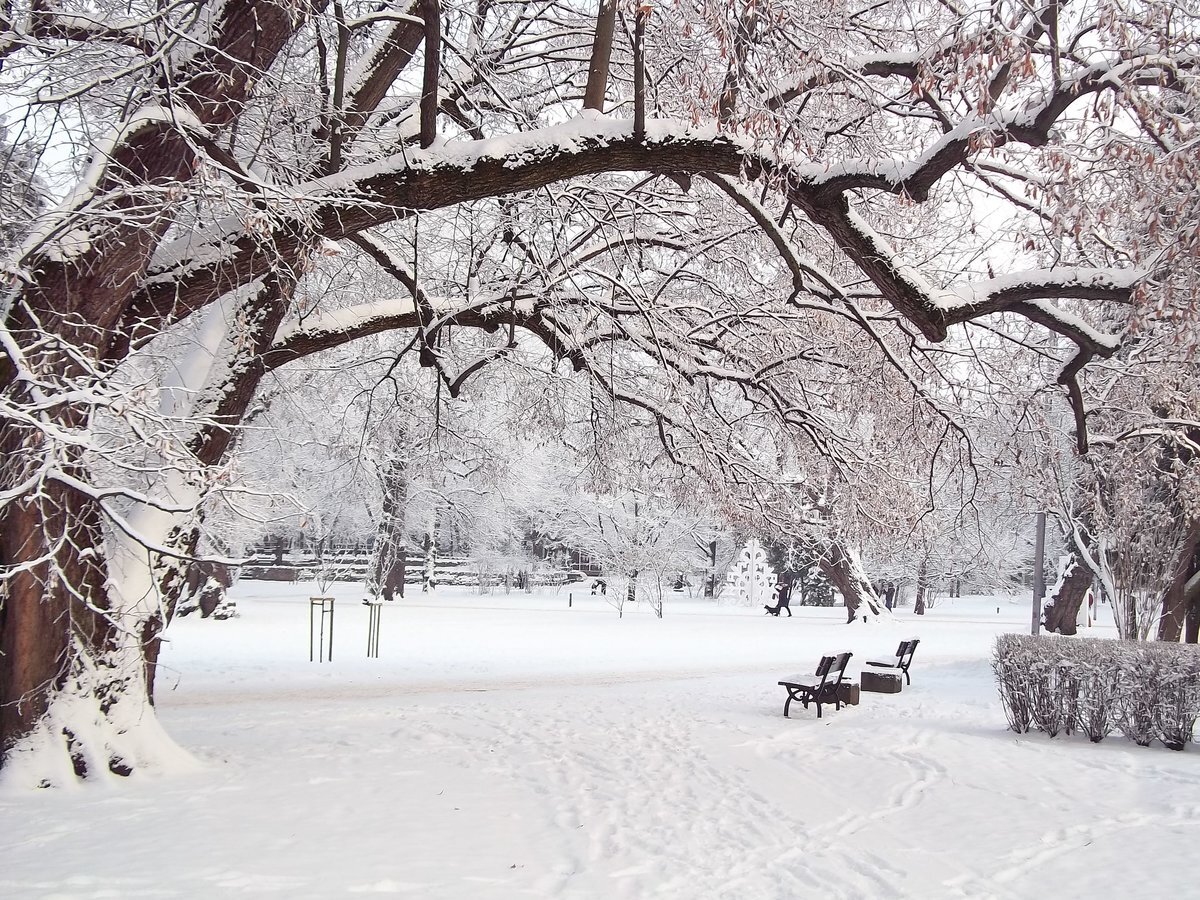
{"x": 1096, "y": 682}
{"x": 1053, "y": 695}
{"x": 1178, "y": 697}
{"x": 1144, "y": 691}
{"x": 1011, "y": 663}
{"x": 1137, "y": 694}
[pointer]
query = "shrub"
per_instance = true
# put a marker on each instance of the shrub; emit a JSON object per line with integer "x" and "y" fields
{"x": 1146, "y": 691}
{"x": 1013, "y": 675}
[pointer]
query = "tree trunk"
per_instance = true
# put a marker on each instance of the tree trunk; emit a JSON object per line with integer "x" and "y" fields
{"x": 844, "y": 571}
{"x": 922, "y": 589}
{"x": 62, "y": 639}
{"x": 428, "y": 579}
{"x": 639, "y": 74}
{"x": 1183, "y": 594}
{"x": 602, "y": 41}
{"x": 1062, "y": 608}
{"x": 432, "y": 13}
{"x": 710, "y": 582}
{"x": 204, "y": 590}
{"x": 390, "y": 552}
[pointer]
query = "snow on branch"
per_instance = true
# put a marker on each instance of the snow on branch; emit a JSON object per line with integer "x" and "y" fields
{"x": 54, "y": 25}
{"x": 1029, "y": 290}
{"x": 450, "y": 173}
{"x": 1030, "y": 122}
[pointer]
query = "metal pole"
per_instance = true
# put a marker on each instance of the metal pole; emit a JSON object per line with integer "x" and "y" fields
{"x": 373, "y": 627}
{"x": 1039, "y": 585}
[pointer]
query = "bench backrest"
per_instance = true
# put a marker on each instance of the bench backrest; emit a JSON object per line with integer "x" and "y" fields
{"x": 832, "y": 669}
{"x": 839, "y": 665}
{"x": 904, "y": 653}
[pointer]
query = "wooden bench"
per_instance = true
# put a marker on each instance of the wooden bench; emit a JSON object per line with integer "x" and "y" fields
{"x": 904, "y": 655}
{"x": 821, "y": 687}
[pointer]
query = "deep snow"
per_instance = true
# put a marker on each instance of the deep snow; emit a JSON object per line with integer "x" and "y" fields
{"x": 506, "y": 746}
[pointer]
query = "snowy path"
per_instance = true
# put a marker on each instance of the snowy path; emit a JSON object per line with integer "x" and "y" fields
{"x": 596, "y": 771}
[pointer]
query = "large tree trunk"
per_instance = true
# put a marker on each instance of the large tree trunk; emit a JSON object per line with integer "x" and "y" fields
{"x": 72, "y": 696}
{"x": 1067, "y": 596}
{"x": 1191, "y": 633}
{"x": 391, "y": 554}
{"x": 72, "y": 674}
{"x": 922, "y": 589}
{"x": 844, "y": 571}
{"x": 1180, "y": 602}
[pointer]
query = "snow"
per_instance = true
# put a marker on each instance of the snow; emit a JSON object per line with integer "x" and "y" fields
{"x": 511, "y": 746}
{"x": 584, "y": 132}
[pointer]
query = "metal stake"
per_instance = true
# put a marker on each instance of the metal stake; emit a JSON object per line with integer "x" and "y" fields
{"x": 325, "y": 605}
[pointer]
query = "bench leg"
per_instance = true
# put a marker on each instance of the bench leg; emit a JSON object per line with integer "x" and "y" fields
{"x": 787, "y": 704}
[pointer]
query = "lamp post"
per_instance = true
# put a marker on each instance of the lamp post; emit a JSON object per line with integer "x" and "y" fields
{"x": 1039, "y": 585}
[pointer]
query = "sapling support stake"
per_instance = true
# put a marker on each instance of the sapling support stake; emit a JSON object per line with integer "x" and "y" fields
{"x": 323, "y": 606}
{"x": 373, "y": 622}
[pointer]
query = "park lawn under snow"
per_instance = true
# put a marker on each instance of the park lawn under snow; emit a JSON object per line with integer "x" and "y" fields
{"x": 508, "y": 746}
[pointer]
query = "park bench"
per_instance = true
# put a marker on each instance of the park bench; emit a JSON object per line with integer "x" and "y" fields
{"x": 904, "y": 655}
{"x": 824, "y": 686}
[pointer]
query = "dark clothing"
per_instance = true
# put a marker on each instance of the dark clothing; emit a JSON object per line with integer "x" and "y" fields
{"x": 783, "y": 599}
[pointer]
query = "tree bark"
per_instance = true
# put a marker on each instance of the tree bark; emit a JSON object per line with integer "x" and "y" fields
{"x": 390, "y": 554}
{"x": 428, "y": 575}
{"x": 58, "y": 634}
{"x": 845, "y": 573}
{"x": 1183, "y": 594}
{"x": 432, "y": 13}
{"x": 710, "y": 581}
{"x": 602, "y": 41}
{"x": 639, "y": 75}
{"x": 1062, "y": 608}
{"x": 922, "y": 589}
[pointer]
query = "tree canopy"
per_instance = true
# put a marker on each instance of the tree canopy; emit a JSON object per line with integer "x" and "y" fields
{"x": 814, "y": 247}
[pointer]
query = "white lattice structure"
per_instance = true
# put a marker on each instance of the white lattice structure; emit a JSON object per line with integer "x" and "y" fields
{"x": 751, "y": 580}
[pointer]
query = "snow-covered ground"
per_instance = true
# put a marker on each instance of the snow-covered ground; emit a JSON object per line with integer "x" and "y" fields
{"x": 508, "y": 746}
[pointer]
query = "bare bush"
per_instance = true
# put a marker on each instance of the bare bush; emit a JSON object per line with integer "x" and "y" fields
{"x": 1146, "y": 692}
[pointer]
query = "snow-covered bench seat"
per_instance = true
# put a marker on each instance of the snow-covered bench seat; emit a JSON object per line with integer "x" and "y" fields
{"x": 821, "y": 687}
{"x": 904, "y": 655}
